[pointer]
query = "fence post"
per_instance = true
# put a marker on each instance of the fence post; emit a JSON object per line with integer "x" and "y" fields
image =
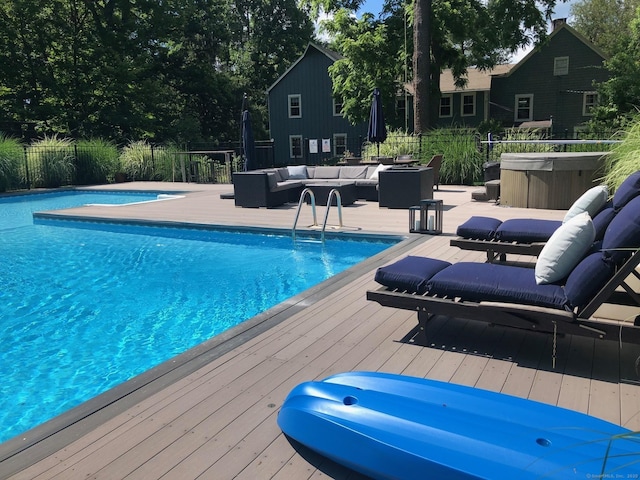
{"x": 26, "y": 167}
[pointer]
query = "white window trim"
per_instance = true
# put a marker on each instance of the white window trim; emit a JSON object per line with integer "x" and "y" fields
{"x": 450, "y": 97}
{"x": 291, "y": 137}
{"x": 335, "y": 143}
{"x": 586, "y": 109}
{"x": 291, "y": 97}
{"x": 335, "y": 112}
{"x": 469, "y": 94}
{"x": 515, "y": 110}
{"x": 559, "y": 70}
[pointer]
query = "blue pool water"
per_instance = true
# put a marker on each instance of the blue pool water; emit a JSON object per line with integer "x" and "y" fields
{"x": 87, "y": 306}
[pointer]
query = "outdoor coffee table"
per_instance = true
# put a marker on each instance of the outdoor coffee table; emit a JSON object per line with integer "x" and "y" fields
{"x": 321, "y": 192}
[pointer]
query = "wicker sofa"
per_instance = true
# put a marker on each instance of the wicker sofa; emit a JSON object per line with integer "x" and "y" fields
{"x": 276, "y": 186}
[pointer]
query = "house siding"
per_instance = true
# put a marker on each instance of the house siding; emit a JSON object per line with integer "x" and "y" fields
{"x": 457, "y": 119}
{"x": 309, "y": 77}
{"x": 557, "y": 97}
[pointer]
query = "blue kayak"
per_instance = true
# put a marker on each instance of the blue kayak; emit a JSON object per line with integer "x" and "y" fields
{"x": 397, "y": 427}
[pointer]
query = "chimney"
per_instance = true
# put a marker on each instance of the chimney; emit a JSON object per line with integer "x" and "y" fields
{"x": 558, "y": 22}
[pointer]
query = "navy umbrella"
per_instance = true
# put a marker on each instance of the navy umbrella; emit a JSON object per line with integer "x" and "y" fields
{"x": 377, "y": 131}
{"x": 248, "y": 144}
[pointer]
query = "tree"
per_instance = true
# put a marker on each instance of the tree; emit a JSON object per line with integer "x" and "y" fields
{"x": 606, "y": 23}
{"x": 619, "y": 97}
{"x": 370, "y": 61}
{"x": 453, "y": 34}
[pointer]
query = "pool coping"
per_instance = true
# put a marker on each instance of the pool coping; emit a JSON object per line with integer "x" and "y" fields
{"x": 33, "y": 445}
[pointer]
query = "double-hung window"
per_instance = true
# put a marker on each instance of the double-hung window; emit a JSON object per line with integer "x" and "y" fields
{"x": 589, "y": 101}
{"x": 468, "y": 105}
{"x": 339, "y": 144}
{"x": 524, "y": 108}
{"x": 295, "y": 106}
{"x": 446, "y": 105}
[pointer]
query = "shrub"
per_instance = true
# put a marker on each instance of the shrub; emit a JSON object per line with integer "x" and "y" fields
{"x": 51, "y": 162}
{"x": 11, "y": 155}
{"x": 96, "y": 161}
{"x": 624, "y": 158}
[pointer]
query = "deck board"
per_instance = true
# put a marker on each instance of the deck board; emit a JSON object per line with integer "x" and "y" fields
{"x": 219, "y": 420}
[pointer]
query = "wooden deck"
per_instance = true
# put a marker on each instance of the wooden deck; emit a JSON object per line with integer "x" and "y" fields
{"x": 211, "y": 413}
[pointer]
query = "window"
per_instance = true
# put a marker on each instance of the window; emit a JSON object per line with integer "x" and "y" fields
{"x": 468, "y": 107}
{"x": 295, "y": 146}
{"x": 295, "y": 106}
{"x": 337, "y": 108}
{"x": 560, "y": 66}
{"x": 339, "y": 144}
{"x": 589, "y": 100}
{"x": 446, "y": 109}
{"x": 524, "y": 108}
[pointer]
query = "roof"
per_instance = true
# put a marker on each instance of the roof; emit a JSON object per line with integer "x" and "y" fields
{"x": 333, "y": 56}
{"x": 563, "y": 26}
{"x": 477, "y": 80}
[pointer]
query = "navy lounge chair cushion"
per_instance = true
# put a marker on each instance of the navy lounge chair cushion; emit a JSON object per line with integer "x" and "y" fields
{"x": 589, "y": 276}
{"x": 623, "y": 232}
{"x": 527, "y": 230}
{"x": 602, "y": 220}
{"x": 479, "y": 228}
{"x": 411, "y": 273}
{"x": 477, "y": 282}
{"x": 627, "y": 191}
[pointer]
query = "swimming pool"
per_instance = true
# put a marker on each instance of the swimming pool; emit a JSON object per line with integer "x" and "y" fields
{"x": 86, "y": 306}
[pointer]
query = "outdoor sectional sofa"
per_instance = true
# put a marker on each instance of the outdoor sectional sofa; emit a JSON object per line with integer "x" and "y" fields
{"x": 272, "y": 187}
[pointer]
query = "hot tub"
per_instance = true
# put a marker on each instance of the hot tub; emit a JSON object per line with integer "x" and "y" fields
{"x": 552, "y": 180}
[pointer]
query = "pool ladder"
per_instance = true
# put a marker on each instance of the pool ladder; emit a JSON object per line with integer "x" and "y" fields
{"x": 307, "y": 191}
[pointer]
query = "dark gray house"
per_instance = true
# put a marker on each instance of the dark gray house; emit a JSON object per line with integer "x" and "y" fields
{"x": 554, "y": 82}
{"x": 305, "y": 121}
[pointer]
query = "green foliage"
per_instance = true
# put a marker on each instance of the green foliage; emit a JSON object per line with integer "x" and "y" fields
{"x": 461, "y": 161}
{"x": 137, "y": 161}
{"x": 371, "y": 59}
{"x": 11, "y": 160}
{"x": 96, "y": 161}
{"x": 397, "y": 143}
{"x": 624, "y": 158}
{"x": 519, "y": 135}
{"x": 619, "y": 96}
{"x": 55, "y": 158}
{"x": 143, "y": 70}
{"x": 606, "y": 23}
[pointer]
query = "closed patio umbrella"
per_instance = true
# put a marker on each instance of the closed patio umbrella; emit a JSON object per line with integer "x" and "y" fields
{"x": 377, "y": 131}
{"x": 248, "y": 144}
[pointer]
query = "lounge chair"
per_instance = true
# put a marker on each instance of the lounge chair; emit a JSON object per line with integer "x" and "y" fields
{"x": 435, "y": 163}
{"x": 516, "y": 296}
{"x": 528, "y": 236}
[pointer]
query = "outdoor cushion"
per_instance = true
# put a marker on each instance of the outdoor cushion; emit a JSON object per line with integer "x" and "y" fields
{"x": 586, "y": 279}
{"x": 379, "y": 169}
{"x": 481, "y": 228}
{"x": 411, "y": 273}
{"x": 623, "y": 233}
{"x": 628, "y": 190}
{"x": 602, "y": 220}
{"x": 479, "y": 282}
{"x": 297, "y": 172}
{"x": 566, "y": 247}
{"x": 326, "y": 172}
{"x": 353, "y": 172}
{"x": 590, "y": 201}
{"x": 526, "y": 230}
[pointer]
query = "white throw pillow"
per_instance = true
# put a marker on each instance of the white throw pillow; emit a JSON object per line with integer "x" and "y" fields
{"x": 564, "y": 250}
{"x": 591, "y": 202}
{"x": 379, "y": 168}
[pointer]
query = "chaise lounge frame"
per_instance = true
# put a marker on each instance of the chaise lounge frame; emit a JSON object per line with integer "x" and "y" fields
{"x": 543, "y": 319}
{"x": 497, "y": 250}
